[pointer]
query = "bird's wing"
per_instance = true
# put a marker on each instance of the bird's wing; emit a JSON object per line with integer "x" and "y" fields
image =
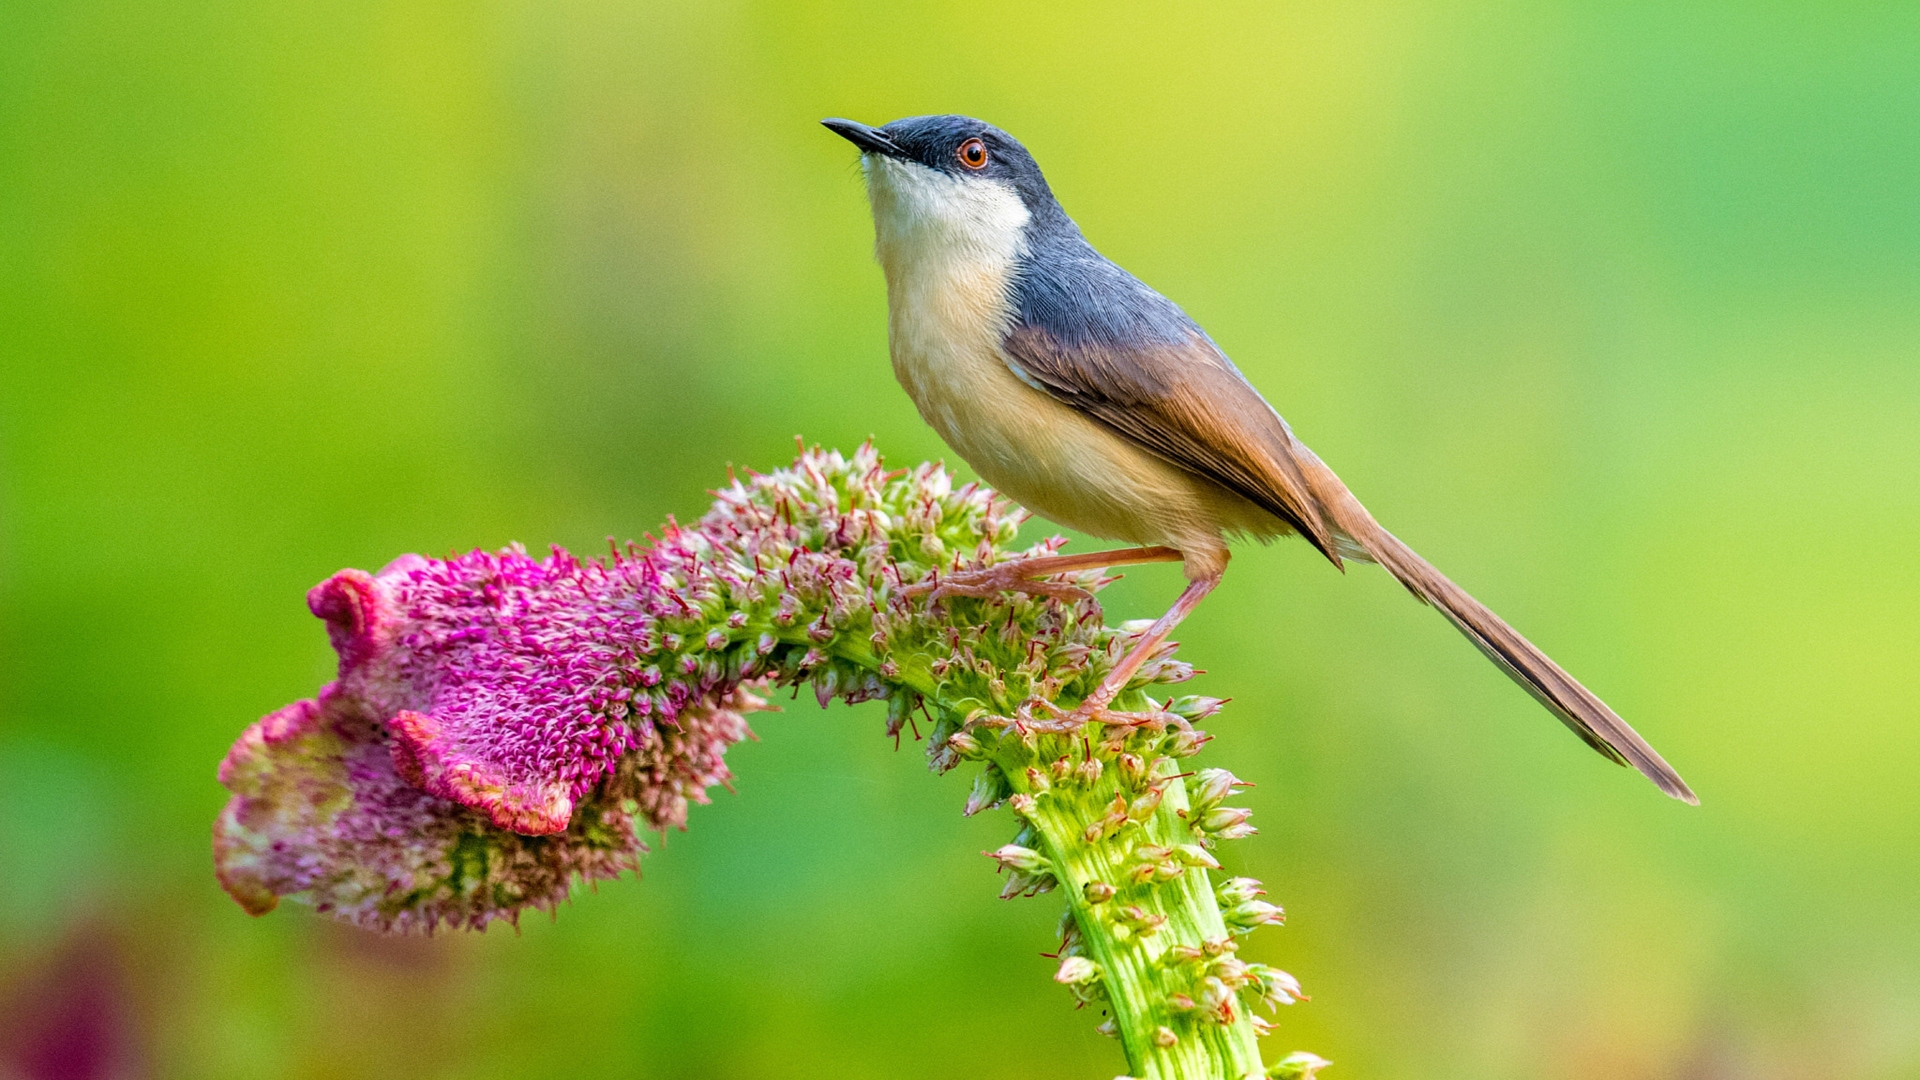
{"x": 1180, "y": 398}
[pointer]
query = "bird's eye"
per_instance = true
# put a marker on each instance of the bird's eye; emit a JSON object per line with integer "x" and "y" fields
{"x": 973, "y": 154}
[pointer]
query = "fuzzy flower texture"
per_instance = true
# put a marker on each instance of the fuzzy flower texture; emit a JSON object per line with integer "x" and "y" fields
{"x": 503, "y": 728}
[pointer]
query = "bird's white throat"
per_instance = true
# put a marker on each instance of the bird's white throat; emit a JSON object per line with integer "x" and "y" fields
{"x": 927, "y": 221}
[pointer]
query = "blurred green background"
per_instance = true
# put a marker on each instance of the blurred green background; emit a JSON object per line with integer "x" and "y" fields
{"x": 1611, "y": 310}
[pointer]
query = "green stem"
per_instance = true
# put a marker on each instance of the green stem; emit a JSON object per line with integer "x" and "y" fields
{"x": 1150, "y": 920}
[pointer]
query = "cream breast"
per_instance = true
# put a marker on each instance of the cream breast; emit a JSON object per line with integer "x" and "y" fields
{"x": 950, "y": 248}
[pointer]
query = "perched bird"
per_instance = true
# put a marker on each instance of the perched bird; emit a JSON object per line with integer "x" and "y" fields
{"x": 1091, "y": 399}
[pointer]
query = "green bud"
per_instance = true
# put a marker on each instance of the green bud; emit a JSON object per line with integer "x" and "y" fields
{"x": 1299, "y": 1065}
{"x": 1098, "y": 892}
{"x": 1195, "y": 855}
{"x": 990, "y": 788}
{"x": 1194, "y": 707}
{"x": 1184, "y": 743}
{"x": 1213, "y": 785}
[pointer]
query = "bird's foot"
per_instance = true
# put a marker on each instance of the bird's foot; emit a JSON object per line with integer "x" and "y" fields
{"x": 1094, "y": 710}
{"x": 989, "y": 581}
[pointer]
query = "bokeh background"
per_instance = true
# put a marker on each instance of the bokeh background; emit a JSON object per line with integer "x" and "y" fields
{"x": 1613, "y": 310}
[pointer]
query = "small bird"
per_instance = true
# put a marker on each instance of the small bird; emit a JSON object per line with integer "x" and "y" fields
{"x": 1091, "y": 399}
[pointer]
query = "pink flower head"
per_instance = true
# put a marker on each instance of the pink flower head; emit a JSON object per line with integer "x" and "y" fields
{"x": 480, "y": 749}
{"x": 502, "y": 725}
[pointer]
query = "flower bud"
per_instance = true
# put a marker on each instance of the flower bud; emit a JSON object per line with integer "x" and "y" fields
{"x": 1184, "y": 743}
{"x": 1219, "y": 945}
{"x": 1076, "y": 971}
{"x": 1224, "y": 817}
{"x": 1299, "y": 1065}
{"x": 1141, "y": 921}
{"x": 1133, "y": 769}
{"x": 1194, "y": 708}
{"x": 1232, "y": 970}
{"x": 1023, "y": 804}
{"x": 1087, "y": 773}
{"x": 1023, "y": 884}
{"x": 1143, "y": 807}
{"x": 1253, "y": 913}
{"x": 1213, "y": 785}
{"x": 1037, "y": 779}
{"x": 1098, "y": 892}
{"x": 1023, "y": 859}
{"x": 1116, "y": 816}
{"x": 1214, "y": 995}
{"x": 1164, "y": 1037}
{"x": 1195, "y": 855}
{"x": 1237, "y": 890}
{"x": 1071, "y": 942}
{"x": 964, "y": 744}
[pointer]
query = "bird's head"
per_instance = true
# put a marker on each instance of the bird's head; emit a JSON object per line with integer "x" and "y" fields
{"x": 949, "y": 174}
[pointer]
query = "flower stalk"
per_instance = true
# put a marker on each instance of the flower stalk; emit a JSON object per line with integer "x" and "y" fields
{"x": 504, "y": 728}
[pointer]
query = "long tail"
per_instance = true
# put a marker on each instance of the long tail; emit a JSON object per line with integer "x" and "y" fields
{"x": 1563, "y": 696}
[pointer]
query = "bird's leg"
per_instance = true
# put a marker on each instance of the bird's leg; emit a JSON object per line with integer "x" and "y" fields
{"x": 1023, "y": 575}
{"x": 1095, "y": 704}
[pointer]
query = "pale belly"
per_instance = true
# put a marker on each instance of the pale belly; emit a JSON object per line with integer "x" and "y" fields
{"x": 950, "y": 253}
{"x": 1062, "y": 465}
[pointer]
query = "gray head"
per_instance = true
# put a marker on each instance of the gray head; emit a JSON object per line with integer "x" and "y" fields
{"x": 960, "y": 207}
{"x": 961, "y": 148}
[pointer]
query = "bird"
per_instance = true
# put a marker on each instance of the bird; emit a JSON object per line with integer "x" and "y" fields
{"x": 1089, "y": 398}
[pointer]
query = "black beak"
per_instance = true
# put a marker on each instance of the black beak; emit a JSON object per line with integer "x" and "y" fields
{"x": 869, "y": 139}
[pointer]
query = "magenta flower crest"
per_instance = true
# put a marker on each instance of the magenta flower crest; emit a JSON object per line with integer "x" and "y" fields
{"x": 501, "y": 722}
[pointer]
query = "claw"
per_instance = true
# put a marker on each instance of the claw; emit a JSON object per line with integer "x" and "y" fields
{"x": 990, "y": 581}
{"x": 1072, "y": 723}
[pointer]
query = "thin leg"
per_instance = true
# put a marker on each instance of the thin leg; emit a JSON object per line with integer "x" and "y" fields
{"x": 1156, "y": 635}
{"x": 1021, "y": 575}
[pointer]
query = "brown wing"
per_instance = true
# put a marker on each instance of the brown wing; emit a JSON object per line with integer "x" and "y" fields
{"x": 1187, "y": 404}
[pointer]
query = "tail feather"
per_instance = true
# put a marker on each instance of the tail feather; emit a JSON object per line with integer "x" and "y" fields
{"x": 1576, "y": 706}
